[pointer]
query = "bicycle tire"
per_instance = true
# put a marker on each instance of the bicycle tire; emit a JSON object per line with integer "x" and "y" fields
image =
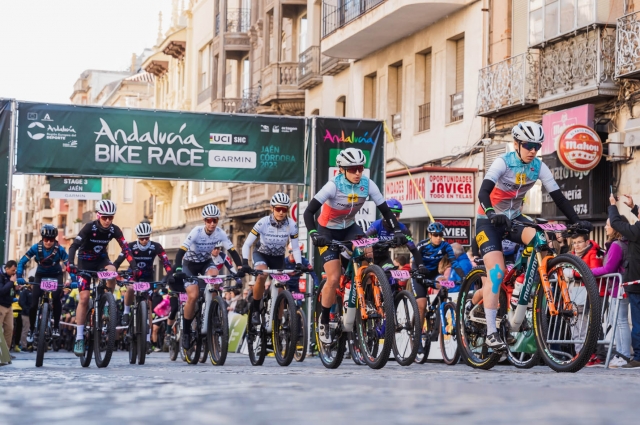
{"x": 450, "y": 357}
{"x": 466, "y": 338}
{"x": 218, "y": 331}
{"x": 354, "y": 349}
{"x": 302, "y": 343}
{"x": 110, "y": 322}
{"x": 283, "y": 338}
{"x": 174, "y": 342}
{"x": 85, "y": 360}
{"x": 42, "y": 334}
{"x": 541, "y": 322}
{"x": 426, "y": 333}
{"x": 376, "y": 357}
{"x": 192, "y": 355}
{"x": 329, "y": 359}
{"x": 133, "y": 343}
{"x": 257, "y": 339}
{"x": 405, "y": 303}
{"x": 143, "y": 326}
{"x": 204, "y": 353}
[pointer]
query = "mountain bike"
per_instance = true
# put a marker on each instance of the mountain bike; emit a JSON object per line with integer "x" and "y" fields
{"x": 566, "y": 330}
{"x": 439, "y": 324}
{"x": 210, "y": 322}
{"x": 42, "y": 331}
{"x": 366, "y": 308}
{"x": 174, "y": 339}
{"x": 302, "y": 342}
{"x": 279, "y": 320}
{"x": 101, "y": 319}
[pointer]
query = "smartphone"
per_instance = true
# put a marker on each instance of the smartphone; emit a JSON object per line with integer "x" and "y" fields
{"x": 611, "y": 188}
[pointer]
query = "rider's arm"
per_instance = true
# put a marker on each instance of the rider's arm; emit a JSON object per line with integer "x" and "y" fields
{"x": 25, "y": 259}
{"x": 178, "y": 261}
{"x": 83, "y": 235}
{"x": 251, "y": 238}
{"x": 228, "y": 245}
{"x": 327, "y": 192}
{"x": 64, "y": 257}
{"x": 229, "y": 265}
{"x": 556, "y": 194}
{"x": 164, "y": 259}
{"x": 119, "y": 261}
{"x": 497, "y": 169}
{"x": 119, "y": 237}
{"x": 295, "y": 246}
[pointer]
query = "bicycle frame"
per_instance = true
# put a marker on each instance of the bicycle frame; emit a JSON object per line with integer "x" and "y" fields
{"x": 204, "y": 298}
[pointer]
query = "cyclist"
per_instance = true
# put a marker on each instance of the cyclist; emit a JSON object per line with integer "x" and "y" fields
{"x": 341, "y": 199}
{"x": 144, "y": 252}
{"x": 290, "y": 264}
{"x": 194, "y": 258}
{"x": 91, "y": 245}
{"x": 274, "y": 231}
{"x": 501, "y": 197}
{"x": 48, "y": 254}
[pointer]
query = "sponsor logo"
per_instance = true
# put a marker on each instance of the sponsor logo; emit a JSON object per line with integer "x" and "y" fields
{"x": 220, "y": 139}
{"x": 276, "y": 129}
{"x": 46, "y": 118}
{"x": 288, "y": 129}
{"x": 264, "y": 128}
{"x": 97, "y": 249}
{"x": 32, "y": 116}
{"x": 141, "y": 265}
{"x": 521, "y": 178}
{"x": 580, "y": 148}
{"x": 348, "y": 138}
{"x": 482, "y": 238}
{"x": 35, "y": 136}
{"x": 232, "y": 159}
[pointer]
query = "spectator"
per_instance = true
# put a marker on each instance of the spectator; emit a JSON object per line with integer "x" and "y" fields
{"x": 463, "y": 262}
{"x": 242, "y": 305}
{"x": 7, "y": 280}
{"x": 588, "y": 250}
{"x": 562, "y": 243}
{"x": 402, "y": 263}
{"x": 614, "y": 263}
{"x": 25, "y": 304}
{"x": 632, "y": 277}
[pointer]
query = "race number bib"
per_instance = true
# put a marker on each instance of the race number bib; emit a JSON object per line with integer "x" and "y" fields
{"x": 48, "y": 285}
{"x": 400, "y": 274}
{"x": 141, "y": 286}
{"x": 107, "y": 275}
{"x": 280, "y": 277}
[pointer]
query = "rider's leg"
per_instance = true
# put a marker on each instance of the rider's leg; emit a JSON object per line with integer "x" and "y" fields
{"x": 35, "y": 301}
{"x": 333, "y": 269}
{"x": 190, "y": 306}
{"x": 81, "y": 312}
{"x": 57, "y": 304}
{"x": 258, "y": 288}
{"x": 111, "y": 283}
{"x": 175, "y": 306}
{"x": 128, "y": 300}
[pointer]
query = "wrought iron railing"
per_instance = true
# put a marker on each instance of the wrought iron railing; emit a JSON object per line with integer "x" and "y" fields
{"x": 511, "y": 82}
{"x": 337, "y": 16}
{"x": 238, "y": 20}
{"x": 628, "y": 46}
{"x": 424, "y": 117}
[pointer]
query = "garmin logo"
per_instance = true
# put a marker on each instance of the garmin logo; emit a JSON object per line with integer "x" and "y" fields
{"x": 232, "y": 159}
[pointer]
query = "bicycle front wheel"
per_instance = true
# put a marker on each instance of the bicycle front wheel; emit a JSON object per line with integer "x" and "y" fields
{"x": 104, "y": 331}
{"x": 192, "y": 355}
{"x": 407, "y": 328}
{"x": 42, "y": 334}
{"x": 303, "y": 336}
{"x": 376, "y": 332}
{"x": 284, "y": 328}
{"x": 217, "y": 331}
{"x": 256, "y": 340}
{"x": 567, "y": 340}
{"x": 85, "y": 359}
{"x": 332, "y": 354}
{"x": 143, "y": 330}
{"x": 174, "y": 340}
{"x": 448, "y": 336}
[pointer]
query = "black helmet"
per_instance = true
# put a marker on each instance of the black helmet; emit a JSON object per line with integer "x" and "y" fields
{"x": 49, "y": 231}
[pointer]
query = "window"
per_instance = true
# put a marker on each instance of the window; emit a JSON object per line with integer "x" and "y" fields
{"x": 204, "y": 59}
{"x": 550, "y": 18}
{"x": 456, "y": 99}
{"x": 302, "y": 35}
{"x": 370, "y": 95}
{"x": 246, "y": 74}
{"x": 395, "y": 97}
{"x": 423, "y": 86}
{"x": 128, "y": 191}
{"x": 341, "y": 107}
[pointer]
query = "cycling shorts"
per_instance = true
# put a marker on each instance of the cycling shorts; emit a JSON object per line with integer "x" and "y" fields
{"x": 420, "y": 288}
{"x": 93, "y": 266}
{"x": 489, "y": 237}
{"x": 350, "y": 233}
{"x": 191, "y": 268}
{"x": 273, "y": 262}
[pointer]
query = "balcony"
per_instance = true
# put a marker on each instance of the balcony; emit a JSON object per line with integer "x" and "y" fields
{"x": 333, "y": 66}
{"x": 280, "y": 92}
{"x": 309, "y": 68}
{"x": 578, "y": 69}
{"x": 250, "y": 199}
{"x": 628, "y": 47}
{"x": 238, "y": 105}
{"x": 236, "y": 28}
{"x": 354, "y": 29}
{"x": 508, "y": 85}
{"x": 228, "y": 105}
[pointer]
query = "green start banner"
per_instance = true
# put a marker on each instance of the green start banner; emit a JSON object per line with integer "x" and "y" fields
{"x": 116, "y": 142}
{"x": 75, "y": 188}
{"x": 5, "y": 144}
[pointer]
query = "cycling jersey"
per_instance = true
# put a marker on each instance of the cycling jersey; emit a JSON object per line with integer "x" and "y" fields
{"x": 91, "y": 243}
{"x": 144, "y": 256}
{"x": 48, "y": 259}
{"x": 432, "y": 254}
{"x": 198, "y": 245}
{"x": 274, "y": 237}
{"x": 341, "y": 200}
{"x": 223, "y": 260}
{"x": 513, "y": 179}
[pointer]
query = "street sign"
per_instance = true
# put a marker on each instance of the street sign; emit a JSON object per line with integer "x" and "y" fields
{"x": 75, "y": 188}
{"x": 294, "y": 212}
{"x": 457, "y": 230}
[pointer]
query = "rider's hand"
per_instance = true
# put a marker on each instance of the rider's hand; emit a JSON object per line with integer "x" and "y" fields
{"x": 498, "y": 219}
{"x": 399, "y": 238}
{"x": 72, "y": 269}
{"x": 241, "y": 273}
{"x": 585, "y": 226}
{"x": 299, "y": 267}
{"x": 245, "y": 266}
{"x": 629, "y": 201}
{"x": 21, "y": 281}
{"x": 319, "y": 240}
{"x": 423, "y": 270}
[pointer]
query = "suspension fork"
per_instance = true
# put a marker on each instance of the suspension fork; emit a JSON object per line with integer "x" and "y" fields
{"x": 546, "y": 286}
{"x": 360, "y": 292}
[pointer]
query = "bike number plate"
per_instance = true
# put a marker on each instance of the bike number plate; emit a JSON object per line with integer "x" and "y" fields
{"x": 107, "y": 275}
{"x": 361, "y": 243}
{"x": 296, "y": 296}
{"x": 183, "y": 297}
{"x": 447, "y": 284}
{"x": 141, "y": 286}
{"x": 555, "y": 227}
{"x": 48, "y": 285}
{"x": 280, "y": 277}
{"x": 400, "y": 274}
{"x": 213, "y": 281}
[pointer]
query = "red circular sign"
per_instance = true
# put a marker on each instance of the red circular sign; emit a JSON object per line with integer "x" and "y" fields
{"x": 580, "y": 148}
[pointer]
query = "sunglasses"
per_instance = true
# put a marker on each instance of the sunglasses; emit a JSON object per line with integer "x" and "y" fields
{"x": 49, "y": 239}
{"x": 143, "y": 239}
{"x": 281, "y": 209}
{"x": 530, "y": 146}
{"x": 106, "y": 217}
{"x": 355, "y": 169}
{"x": 210, "y": 220}
{"x": 436, "y": 235}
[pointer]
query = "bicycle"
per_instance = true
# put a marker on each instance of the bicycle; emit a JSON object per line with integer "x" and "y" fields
{"x": 371, "y": 297}
{"x": 101, "y": 322}
{"x": 302, "y": 343}
{"x": 440, "y": 324}
{"x": 174, "y": 340}
{"x": 557, "y": 320}
{"x": 210, "y": 321}
{"x": 279, "y": 320}
{"x": 42, "y": 331}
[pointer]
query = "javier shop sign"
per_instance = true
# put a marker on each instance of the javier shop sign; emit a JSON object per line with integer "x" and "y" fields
{"x": 580, "y": 148}
{"x": 434, "y": 186}
{"x": 456, "y": 230}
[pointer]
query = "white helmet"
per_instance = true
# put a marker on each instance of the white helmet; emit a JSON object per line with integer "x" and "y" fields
{"x": 106, "y": 207}
{"x": 143, "y": 229}
{"x": 218, "y": 244}
{"x": 280, "y": 199}
{"x": 364, "y": 224}
{"x": 210, "y": 211}
{"x": 350, "y": 157}
{"x": 528, "y": 131}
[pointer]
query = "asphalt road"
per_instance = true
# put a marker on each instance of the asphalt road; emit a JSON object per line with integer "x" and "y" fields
{"x": 162, "y": 392}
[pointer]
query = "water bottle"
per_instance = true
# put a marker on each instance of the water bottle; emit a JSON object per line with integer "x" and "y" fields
{"x": 349, "y": 307}
{"x": 517, "y": 288}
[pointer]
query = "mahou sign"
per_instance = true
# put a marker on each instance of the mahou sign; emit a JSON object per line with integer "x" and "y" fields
{"x": 580, "y": 148}
{"x": 449, "y": 187}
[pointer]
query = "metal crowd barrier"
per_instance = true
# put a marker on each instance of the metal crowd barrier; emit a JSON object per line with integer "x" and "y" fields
{"x": 565, "y": 332}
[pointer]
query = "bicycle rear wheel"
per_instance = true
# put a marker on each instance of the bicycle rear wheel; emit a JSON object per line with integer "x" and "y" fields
{"x": 85, "y": 360}
{"x": 192, "y": 355}
{"x": 284, "y": 328}
{"x": 42, "y": 333}
{"x": 104, "y": 331}
{"x": 376, "y": 333}
{"x": 143, "y": 330}
{"x": 302, "y": 342}
{"x": 407, "y": 328}
{"x": 426, "y": 335}
{"x": 256, "y": 340}
{"x": 132, "y": 339}
{"x": 331, "y": 355}
{"x": 217, "y": 331}
{"x": 174, "y": 340}
{"x": 448, "y": 336}
{"x": 567, "y": 341}
{"x": 354, "y": 349}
